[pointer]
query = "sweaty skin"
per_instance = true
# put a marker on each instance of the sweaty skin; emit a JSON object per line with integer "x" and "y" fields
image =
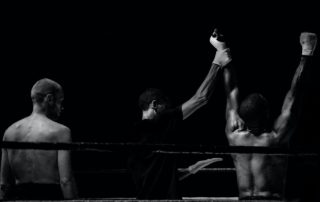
{"x": 36, "y": 166}
{"x": 258, "y": 174}
{"x": 262, "y": 175}
{"x": 33, "y": 166}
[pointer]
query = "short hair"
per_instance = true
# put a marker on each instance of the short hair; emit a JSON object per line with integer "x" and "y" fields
{"x": 44, "y": 87}
{"x": 152, "y": 94}
{"x": 254, "y": 109}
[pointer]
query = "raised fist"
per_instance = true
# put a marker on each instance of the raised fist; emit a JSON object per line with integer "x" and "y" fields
{"x": 308, "y": 42}
{"x": 217, "y": 40}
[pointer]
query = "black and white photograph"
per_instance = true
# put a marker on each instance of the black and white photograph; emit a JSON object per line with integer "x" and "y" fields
{"x": 160, "y": 101}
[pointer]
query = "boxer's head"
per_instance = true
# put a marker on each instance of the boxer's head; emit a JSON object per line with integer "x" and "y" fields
{"x": 154, "y": 101}
{"x": 48, "y": 96}
{"x": 254, "y": 111}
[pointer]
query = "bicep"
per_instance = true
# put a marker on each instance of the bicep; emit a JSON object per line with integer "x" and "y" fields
{"x": 192, "y": 105}
{"x": 233, "y": 121}
{"x": 286, "y": 122}
{"x": 284, "y": 126}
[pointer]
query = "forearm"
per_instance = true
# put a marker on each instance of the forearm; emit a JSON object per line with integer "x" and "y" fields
{"x": 294, "y": 93}
{"x": 205, "y": 90}
{"x": 69, "y": 189}
{"x": 286, "y": 123}
{"x": 203, "y": 94}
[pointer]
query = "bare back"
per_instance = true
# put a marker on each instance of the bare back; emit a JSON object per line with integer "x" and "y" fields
{"x": 34, "y": 166}
{"x": 258, "y": 174}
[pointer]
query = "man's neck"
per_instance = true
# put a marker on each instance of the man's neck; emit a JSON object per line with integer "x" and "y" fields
{"x": 257, "y": 130}
{"x": 38, "y": 111}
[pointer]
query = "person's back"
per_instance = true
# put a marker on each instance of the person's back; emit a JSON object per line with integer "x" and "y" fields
{"x": 258, "y": 174}
{"x": 34, "y": 166}
{"x": 35, "y": 173}
{"x": 262, "y": 176}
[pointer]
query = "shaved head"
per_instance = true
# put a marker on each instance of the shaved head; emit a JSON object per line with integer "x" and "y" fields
{"x": 47, "y": 96}
{"x": 46, "y": 86}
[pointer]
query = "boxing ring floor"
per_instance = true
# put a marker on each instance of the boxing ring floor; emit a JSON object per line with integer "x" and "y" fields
{"x": 184, "y": 199}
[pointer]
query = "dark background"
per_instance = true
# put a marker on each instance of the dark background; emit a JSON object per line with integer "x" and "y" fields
{"x": 104, "y": 56}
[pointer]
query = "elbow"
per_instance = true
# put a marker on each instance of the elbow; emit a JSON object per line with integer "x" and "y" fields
{"x": 65, "y": 182}
{"x": 202, "y": 100}
{"x": 286, "y": 113}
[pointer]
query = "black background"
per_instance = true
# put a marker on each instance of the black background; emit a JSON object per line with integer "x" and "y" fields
{"x": 104, "y": 56}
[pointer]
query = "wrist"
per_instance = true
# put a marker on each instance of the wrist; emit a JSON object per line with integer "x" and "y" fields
{"x": 222, "y": 57}
{"x": 307, "y": 52}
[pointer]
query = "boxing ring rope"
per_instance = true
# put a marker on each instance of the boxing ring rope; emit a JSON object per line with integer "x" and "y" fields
{"x": 163, "y": 148}
{"x": 166, "y": 149}
{"x": 122, "y": 171}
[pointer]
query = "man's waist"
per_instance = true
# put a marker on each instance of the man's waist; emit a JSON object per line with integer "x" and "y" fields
{"x": 42, "y": 181}
{"x": 260, "y": 196}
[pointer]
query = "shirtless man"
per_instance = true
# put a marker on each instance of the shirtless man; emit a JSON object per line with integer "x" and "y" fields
{"x": 263, "y": 176}
{"x": 38, "y": 174}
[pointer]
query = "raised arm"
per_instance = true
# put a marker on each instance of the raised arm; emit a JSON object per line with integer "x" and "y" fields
{"x": 287, "y": 121}
{"x": 233, "y": 121}
{"x": 67, "y": 181}
{"x": 204, "y": 92}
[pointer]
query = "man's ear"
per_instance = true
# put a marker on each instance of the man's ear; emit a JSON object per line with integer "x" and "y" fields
{"x": 49, "y": 99}
{"x": 153, "y": 105}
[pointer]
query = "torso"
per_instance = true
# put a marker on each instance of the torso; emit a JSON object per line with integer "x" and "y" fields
{"x": 155, "y": 174}
{"x": 34, "y": 166}
{"x": 258, "y": 174}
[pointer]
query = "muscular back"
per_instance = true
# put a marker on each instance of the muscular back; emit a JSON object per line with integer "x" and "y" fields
{"x": 36, "y": 166}
{"x": 258, "y": 174}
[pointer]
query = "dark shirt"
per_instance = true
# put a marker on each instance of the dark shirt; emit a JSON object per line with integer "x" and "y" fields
{"x": 155, "y": 175}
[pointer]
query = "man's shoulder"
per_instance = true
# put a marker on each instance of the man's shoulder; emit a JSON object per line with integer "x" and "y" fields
{"x": 239, "y": 133}
{"x": 267, "y": 137}
{"x": 43, "y": 129}
{"x": 58, "y": 127}
{"x": 271, "y": 137}
{"x": 14, "y": 128}
{"x": 61, "y": 131}
{"x": 240, "y": 137}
